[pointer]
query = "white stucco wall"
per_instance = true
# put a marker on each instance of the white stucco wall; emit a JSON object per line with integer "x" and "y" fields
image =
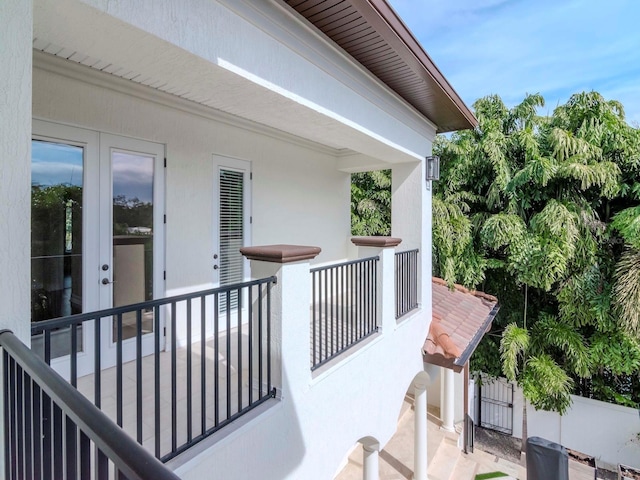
{"x": 298, "y": 195}
{"x": 15, "y": 166}
{"x": 281, "y": 73}
{"x": 603, "y": 430}
{"x": 320, "y": 417}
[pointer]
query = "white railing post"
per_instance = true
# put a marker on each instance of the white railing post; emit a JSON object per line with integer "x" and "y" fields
{"x": 383, "y": 247}
{"x": 290, "y": 301}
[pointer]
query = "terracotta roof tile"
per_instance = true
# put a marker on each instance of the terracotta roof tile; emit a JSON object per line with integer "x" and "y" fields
{"x": 460, "y": 318}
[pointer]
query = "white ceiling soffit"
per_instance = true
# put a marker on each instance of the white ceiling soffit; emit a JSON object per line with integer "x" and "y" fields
{"x": 78, "y": 36}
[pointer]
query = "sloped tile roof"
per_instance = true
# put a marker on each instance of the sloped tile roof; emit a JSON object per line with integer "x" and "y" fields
{"x": 460, "y": 319}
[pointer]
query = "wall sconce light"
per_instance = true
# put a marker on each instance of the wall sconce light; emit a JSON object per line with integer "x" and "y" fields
{"x": 433, "y": 168}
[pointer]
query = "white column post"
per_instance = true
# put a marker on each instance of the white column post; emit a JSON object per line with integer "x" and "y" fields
{"x": 420, "y": 432}
{"x": 449, "y": 400}
{"x": 16, "y": 25}
{"x": 370, "y": 460}
{"x": 290, "y": 320}
{"x": 382, "y": 247}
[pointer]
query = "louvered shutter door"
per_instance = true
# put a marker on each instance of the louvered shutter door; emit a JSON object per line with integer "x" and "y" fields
{"x": 231, "y": 228}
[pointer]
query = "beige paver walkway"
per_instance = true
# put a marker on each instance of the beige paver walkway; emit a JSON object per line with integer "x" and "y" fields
{"x": 446, "y": 461}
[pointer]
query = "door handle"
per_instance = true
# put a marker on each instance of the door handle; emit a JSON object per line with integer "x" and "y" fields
{"x": 105, "y": 281}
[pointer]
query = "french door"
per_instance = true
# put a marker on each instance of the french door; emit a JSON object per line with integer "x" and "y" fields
{"x": 97, "y": 236}
{"x": 232, "y": 225}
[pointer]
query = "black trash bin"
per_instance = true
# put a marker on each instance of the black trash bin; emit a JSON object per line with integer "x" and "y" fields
{"x": 546, "y": 460}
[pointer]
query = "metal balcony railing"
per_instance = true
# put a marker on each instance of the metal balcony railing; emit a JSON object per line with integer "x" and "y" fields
{"x": 215, "y": 367}
{"x": 344, "y": 307}
{"x": 406, "y": 282}
{"x": 52, "y": 431}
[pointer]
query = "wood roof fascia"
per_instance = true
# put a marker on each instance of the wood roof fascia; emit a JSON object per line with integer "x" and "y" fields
{"x": 406, "y": 41}
{"x": 324, "y": 37}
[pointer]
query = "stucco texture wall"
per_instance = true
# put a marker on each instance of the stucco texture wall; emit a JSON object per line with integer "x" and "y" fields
{"x": 15, "y": 166}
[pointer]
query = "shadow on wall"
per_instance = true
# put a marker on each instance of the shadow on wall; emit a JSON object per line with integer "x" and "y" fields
{"x": 269, "y": 446}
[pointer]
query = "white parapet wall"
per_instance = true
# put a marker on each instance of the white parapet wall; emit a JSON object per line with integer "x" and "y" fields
{"x": 608, "y": 432}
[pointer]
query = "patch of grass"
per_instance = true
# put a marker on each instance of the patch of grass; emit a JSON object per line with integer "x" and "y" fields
{"x": 485, "y": 476}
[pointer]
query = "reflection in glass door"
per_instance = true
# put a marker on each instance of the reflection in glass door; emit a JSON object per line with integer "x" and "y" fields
{"x": 132, "y": 249}
{"x": 56, "y": 237}
{"x": 133, "y": 233}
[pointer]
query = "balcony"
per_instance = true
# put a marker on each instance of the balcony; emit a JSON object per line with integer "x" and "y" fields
{"x": 224, "y": 356}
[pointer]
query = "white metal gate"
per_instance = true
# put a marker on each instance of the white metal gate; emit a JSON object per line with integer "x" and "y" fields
{"x": 496, "y": 405}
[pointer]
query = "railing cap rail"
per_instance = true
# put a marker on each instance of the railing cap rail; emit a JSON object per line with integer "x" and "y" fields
{"x": 281, "y": 253}
{"x": 382, "y": 242}
{"x": 130, "y": 458}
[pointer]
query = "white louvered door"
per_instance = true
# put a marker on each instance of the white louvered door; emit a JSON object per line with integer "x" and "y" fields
{"x": 232, "y": 221}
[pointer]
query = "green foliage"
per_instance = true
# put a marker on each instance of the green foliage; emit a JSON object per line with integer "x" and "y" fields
{"x": 371, "y": 203}
{"x": 533, "y": 206}
{"x": 627, "y": 291}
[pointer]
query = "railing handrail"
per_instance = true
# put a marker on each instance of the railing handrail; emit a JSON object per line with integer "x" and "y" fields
{"x": 38, "y": 327}
{"x": 343, "y": 264}
{"x": 129, "y": 457}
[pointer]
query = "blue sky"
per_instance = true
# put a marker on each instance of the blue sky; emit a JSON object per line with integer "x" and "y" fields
{"x": 514, "y": 47}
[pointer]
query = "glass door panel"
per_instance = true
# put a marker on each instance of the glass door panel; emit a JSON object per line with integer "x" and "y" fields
{"x": 56, "y": 237}
{"x": 132, "y": 177}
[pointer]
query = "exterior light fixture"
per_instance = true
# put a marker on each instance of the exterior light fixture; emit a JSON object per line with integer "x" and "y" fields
{"x": 433, "y": 168}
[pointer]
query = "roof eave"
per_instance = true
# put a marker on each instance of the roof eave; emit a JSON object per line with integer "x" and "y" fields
{"x": 396, "y": 24}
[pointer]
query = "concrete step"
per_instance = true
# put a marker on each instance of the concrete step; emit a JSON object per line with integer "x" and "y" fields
{"x": 465, "y": 469}
{"x": 444, "y": 461}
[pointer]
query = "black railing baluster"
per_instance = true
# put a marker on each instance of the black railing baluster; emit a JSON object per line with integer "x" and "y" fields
{"x": 189, "y": 365}
{"x": 260, "y": 349}
{"x": 11, "y": 460}
{"x": 85, "y": 456}
{"x": 216, "y": 356}
{"x": 174, "y": 379}
{"x": 102, "y": 465}
{"x": 314, "y": 317}
{"x": 406, "y": 282}
{"x": 269, "y": 337}
{"x": 119, "y": 369}
{"x": 139, "y": 375}
{"x": 203, "y": 364}
{"x": 97, "y": 363}
{"x": 58, "y": 459}
{"x": 37, "y": 431}
{"x": 28, "y": 428}
{"x": 6, "y": 414}
{"x": 73, "y": 330}
{"x": 347, "y": 295}
{"x": 250, "y": 334}
{"x": 47, "y": 347}
{"x": 47, "y": 424}
{"x": 239, "y": 367}
{"x": 20, "y": 422}
{"x": 71, "y": 447}
{"x": 327, "y": 318}
{"x": 156, "y": 382}
{"x": 227, "y": 307}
